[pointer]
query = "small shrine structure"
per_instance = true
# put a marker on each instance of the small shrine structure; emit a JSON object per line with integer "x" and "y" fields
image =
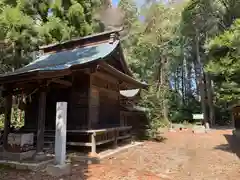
{"x": 88, "y": 73}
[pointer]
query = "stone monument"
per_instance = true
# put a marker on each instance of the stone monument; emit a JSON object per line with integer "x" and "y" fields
{"x": 60, "y": 167}
{"x": 199, "y": 127}
{"x": 19, "y": 146}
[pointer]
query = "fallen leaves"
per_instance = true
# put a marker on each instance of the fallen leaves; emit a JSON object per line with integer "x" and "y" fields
{"x": 183, "y": 156}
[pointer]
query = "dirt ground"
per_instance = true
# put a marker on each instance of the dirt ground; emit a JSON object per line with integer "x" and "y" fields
{"x": 182, "y": 156}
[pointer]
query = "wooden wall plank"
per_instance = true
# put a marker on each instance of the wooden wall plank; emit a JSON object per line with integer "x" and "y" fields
{"x": 109, "y": 96}
{"x": 79, "y": 101}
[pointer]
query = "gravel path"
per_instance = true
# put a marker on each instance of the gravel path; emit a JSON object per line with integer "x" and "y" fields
{"x": 182, "y": 156}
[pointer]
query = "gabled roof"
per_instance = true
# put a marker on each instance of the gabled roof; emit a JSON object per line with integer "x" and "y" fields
{"x": 61, "y": 58}
{"x": 79, "y": 51}
{"x": 130, "y": 80}
{"x": 79, "y": 41}
{"x": 68, "y": 58}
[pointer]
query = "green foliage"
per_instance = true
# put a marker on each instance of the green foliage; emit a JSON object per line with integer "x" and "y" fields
{"x": 17, "y": 118}
{"x": 168, "y": 49}
{"x": 130, "y": 12}
{"x": 1, "y": 121}
{"x": 67, "y": 19}
{"x": 182, "y": 111}
{"x": 225, "y": 62}
{"x": 153, "y": 99}
{"x": 17, "y": 30}
{"x": 155, "y": 49}
{"x": 151, "y": 41}
{"x": 55, "y": 30}
{"x": 27, "y": 24}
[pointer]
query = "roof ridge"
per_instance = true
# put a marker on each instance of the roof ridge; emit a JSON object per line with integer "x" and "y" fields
{"x": 79, "y": 39}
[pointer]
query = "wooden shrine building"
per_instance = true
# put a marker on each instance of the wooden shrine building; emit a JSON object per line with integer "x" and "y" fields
{"x": 133, "y": 115}
{"x": 87, "y": 73}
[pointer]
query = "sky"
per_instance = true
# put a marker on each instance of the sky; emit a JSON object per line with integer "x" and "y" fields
{"x": 138, "y": 2}
{"x": 115, "y": 2}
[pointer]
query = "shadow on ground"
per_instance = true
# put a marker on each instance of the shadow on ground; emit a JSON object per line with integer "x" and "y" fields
{"x": 79, "y": 172}
{"x": 142, "y": 138}
{"x": 222, "y": 128}
{"x": 232, "y": 146}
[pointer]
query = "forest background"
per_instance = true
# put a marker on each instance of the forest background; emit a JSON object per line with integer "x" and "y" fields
{"x": 188, "y": 51}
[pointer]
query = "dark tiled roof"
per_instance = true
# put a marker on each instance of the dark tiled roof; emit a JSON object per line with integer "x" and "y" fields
{"x": 68, "y": 58}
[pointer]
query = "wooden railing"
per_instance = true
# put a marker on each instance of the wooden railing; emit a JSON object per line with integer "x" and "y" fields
{"x": 103, "y": 136}
{"x": 92, "y": 138}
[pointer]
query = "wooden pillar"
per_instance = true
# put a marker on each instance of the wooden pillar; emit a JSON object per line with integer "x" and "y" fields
{"x": 90, "y": 103}
{"x": 7, "y": 120}
{"x": 116, "y": 134}
{"x": 41, "y": 120}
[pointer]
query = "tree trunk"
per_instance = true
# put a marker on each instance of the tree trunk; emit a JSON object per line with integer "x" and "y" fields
{"x": 183, "y": 81}
{"x": 201, "y": 81}
{"x": 188, "y": 78}
{"x": 164, "y": 85}
{"x": 177, "y": 80}
{"x": 157, "y": 75}
{"x": 196, "y": 81}
{"x": 210, "y": 99}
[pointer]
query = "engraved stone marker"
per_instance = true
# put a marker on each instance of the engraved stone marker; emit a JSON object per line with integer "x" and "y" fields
{"x": 60, "y": 135}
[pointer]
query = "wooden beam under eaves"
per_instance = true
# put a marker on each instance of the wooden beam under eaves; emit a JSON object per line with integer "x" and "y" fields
{"x": 62, "y": 82}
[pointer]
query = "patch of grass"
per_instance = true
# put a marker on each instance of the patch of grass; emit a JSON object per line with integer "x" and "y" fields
{"x": 5, "y": 167}
{"x": 159, "y": 139}
{"x": 183, "y": 125}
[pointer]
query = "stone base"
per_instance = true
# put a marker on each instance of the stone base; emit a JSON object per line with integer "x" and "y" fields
{"x": 172, "y": 130}
{"x": 236, "y": 132}
{"x": 207, "y": 126}
{"x": 94, "y": 155}
{"x": 40, "y": 156}
{"x": 102, "y": 155}
{"x": 18, "y": 156}
{"x": 32, "y": 166}
{"x": 58, "y": 170}
{"x": 86, "y": 159}
{"x": 199, "y": 130}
